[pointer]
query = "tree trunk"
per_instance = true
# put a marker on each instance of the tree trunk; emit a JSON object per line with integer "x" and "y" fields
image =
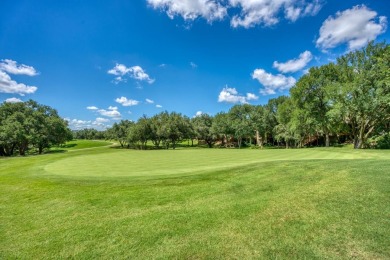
{"x": 2, "y": 151}
{"x": 259, "y": 140}
{"x": 40, "y": 150}
{"x": 327, "y": 141}
{"x": 22, "y": 149}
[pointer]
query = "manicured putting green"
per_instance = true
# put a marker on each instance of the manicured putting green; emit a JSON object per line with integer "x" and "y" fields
{"x": 122, "y": 163}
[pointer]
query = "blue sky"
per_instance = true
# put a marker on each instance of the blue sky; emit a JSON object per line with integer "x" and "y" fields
{"x": 98, "y": 62}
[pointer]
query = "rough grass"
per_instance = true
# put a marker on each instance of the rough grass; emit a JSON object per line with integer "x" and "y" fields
{"x": 288, "y": 204}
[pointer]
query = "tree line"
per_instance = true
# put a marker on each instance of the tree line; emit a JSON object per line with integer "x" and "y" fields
{"x": 26, "y": 126}
{"x": 348, "y": 100}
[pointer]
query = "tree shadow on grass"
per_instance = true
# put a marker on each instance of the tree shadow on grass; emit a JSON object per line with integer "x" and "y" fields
{"x": 56, "y": 151}
{"x": 68, "y": 145}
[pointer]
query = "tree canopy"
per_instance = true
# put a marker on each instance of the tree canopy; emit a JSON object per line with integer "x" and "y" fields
{"x": 25, "y": 125}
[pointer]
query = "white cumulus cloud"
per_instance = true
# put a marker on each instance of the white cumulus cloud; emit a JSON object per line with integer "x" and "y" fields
{"x": 135, "y": 72}
{"x": 126, "y": 102}
{"x": 251, "y": 12}
{"x": 210, "y": 10}
{"x": 149, "y": 101}
{"x": 266, "y": 12}
{"x": 92, "y": 108}
{"x": 198, "y": 113}
{"x": 230, "y": 95}
{"x": 272, "y": 83}
{"x": 12, "y": 67}
{"x": 102, "y": 120}
{"x": 110, "y": 112}
{"x": 251, "y": 96}
{"x": 295, "y": 64}
{"x": 77, "y": 124}
{"x": 159, "y": 106}
{"x": 7, "y": 85}
{"x": 355, "y": 27}
{"x": 13, "y": 100}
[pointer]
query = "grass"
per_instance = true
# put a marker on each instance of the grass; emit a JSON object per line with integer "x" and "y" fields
{"x": 196, "y": 203}
{"x": 83, "y": 144}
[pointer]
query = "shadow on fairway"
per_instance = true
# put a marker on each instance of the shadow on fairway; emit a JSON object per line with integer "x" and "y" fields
{"x": 56, "y": 151}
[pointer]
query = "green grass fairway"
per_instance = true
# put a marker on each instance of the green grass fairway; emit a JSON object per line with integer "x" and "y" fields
{"x": 83, "y": 144}
{"x": 196, "y": 203}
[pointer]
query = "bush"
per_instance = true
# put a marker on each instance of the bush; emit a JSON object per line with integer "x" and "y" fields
{"x": 380, "y": 142}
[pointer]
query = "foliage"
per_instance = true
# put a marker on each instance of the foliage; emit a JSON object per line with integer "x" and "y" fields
{"x": 90, "y": 134}
{"x": 202, "y": 127}
{"x": 28, "y": 124}
{"x": 380, "y": 142}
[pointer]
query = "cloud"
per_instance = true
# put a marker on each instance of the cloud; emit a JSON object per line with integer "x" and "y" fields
{"x": 266, "y": 12}
{"x": 77, "y": 124}
{"x": 272, "y": 83}
{"x": 7, "y": 85}
{"x": 13, "y": 100}
{"x": 252, "y": 12}
{"x": 12, "y": 67}
{"x": 198, "y": 113}
{"x": 159, "y": 106}
{"x": 149, "y": 101}
{"x": 92, "y": 108}
{"x": 210, "y": 10}
{"x": 355, "y": 27}
{"x": 295, "y": 64}
{"x": 102, "y": 120}
{"x": 111, "y": 112}
{"x": 230, "y": 95}
{"x": 135, "y": 72}
{"x": 250, "y": 96}
{"x": 126, "y": 102}
{"x": 193, "y": 65}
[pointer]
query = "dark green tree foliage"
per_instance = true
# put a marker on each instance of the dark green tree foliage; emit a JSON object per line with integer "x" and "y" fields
{"x": 90, "y": 134}
{"x": 175, "y": 128}
{"x": 313, "y": 97}
{"x": 120, "y": 131}
{"x": 221, "y": 127}
{"x": 257, "y": 117}
{"x": 202, "y": 125}
{"x": 140, "y": 132}
{"x": 241, "y": 125}
{"x": 363, "y": 99}
{"x": 29, "y": 124}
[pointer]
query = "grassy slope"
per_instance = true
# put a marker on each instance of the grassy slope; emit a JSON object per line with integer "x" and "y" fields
{"x": 242, "y": 204}
{"x": 83, "y": 144}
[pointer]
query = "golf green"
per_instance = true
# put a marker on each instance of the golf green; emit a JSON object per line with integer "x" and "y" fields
{"x": 130, "y": 163}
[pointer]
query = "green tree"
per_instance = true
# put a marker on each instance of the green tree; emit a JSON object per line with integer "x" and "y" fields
{"x": 26, "y": 124}
{"x": 239, "y": 117}
{"x": 221, "y": 127}
{"x": 362, "y": 100}
{"x": 202, "y": 125}
{"x": 312, "y": 95}
{"x": 120, "y": 131}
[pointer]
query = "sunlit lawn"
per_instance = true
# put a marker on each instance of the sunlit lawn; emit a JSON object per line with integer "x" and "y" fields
{"x": 196, "y": 203}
